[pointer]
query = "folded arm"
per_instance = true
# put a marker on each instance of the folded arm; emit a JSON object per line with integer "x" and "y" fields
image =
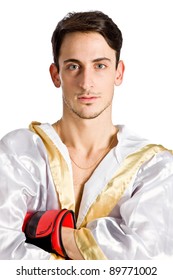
{"x": 140, "y": 226}
{"x": 22, "y": 178}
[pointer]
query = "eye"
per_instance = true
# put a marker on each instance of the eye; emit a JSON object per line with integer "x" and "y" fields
{"x": 100, "y": 66}
{"x": 73, "y": 67}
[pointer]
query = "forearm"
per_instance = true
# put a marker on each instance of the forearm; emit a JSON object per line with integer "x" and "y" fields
{"x": 69, "y": 244}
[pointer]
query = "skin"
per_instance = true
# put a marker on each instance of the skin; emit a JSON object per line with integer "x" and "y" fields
{"x": 87, "y": 76}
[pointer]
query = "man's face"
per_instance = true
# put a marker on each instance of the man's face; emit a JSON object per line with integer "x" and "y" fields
{"x": 87, "y": 74}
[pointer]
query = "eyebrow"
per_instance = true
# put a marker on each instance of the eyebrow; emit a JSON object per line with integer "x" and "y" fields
{"x": 94, "y": 60}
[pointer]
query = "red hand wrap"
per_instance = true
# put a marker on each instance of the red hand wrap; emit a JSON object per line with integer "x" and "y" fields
{"x": 43, "y": 229}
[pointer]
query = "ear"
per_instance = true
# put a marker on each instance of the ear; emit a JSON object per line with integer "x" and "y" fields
{"x": 119, "y": 73}
{"x": 55, "y": 75}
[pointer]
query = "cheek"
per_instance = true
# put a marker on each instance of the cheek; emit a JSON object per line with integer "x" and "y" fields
{"x": 107, "y": 81}
{"x": 67, "y": 81}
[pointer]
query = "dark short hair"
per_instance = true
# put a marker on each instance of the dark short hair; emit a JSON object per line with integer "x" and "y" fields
{"x": 92, "y": 21}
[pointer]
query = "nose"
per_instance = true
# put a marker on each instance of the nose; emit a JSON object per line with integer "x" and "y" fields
{"x": 86, "y": 79}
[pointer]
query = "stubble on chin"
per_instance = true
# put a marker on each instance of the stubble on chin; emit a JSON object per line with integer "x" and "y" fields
{"x": 81, "y": 114}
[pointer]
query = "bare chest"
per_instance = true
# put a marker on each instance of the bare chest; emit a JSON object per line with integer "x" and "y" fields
{"x": 80, "y": 177}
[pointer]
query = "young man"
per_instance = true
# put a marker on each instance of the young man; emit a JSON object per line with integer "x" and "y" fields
{"x": 118, "y": 186}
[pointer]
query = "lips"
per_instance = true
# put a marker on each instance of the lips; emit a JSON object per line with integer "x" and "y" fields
{"x": 87, "y": 99}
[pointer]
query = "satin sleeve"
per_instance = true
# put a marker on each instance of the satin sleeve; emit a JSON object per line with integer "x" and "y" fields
{"x": 141, "y": 225}
{"x": 24, "y": 186}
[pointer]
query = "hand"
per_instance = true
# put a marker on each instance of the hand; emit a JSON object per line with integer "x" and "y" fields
{"x": 44, "y": 229}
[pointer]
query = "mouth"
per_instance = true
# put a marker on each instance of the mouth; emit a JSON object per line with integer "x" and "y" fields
{"x": 87, "y": 99}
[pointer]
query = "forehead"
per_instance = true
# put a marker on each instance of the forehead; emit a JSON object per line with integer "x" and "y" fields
{"x": 86, "y": 45}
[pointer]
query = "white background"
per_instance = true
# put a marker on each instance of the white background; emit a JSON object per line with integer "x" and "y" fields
{"x": 143, "y": 101}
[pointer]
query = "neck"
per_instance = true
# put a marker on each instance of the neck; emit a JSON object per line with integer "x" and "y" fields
{"x": 86, "y": 135}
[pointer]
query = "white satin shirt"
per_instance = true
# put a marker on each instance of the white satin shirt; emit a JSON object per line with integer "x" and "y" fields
{"x": 139, "y": 227}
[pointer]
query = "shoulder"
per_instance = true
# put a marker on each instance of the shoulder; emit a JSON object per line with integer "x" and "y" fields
{"x": 129, "y": 142}
{"x": 161, "y": 160}
{"x": 157, "y": 171}
{"x": 18, "y": 135}
{"x": 21, "y": 132}
{"x": 21, "y": 141}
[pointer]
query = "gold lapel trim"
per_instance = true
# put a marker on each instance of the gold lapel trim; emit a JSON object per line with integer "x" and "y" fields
{"x": 87, "y": 245}
{"x": 114, "y": 190}
{"x": 59, "y": 170}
